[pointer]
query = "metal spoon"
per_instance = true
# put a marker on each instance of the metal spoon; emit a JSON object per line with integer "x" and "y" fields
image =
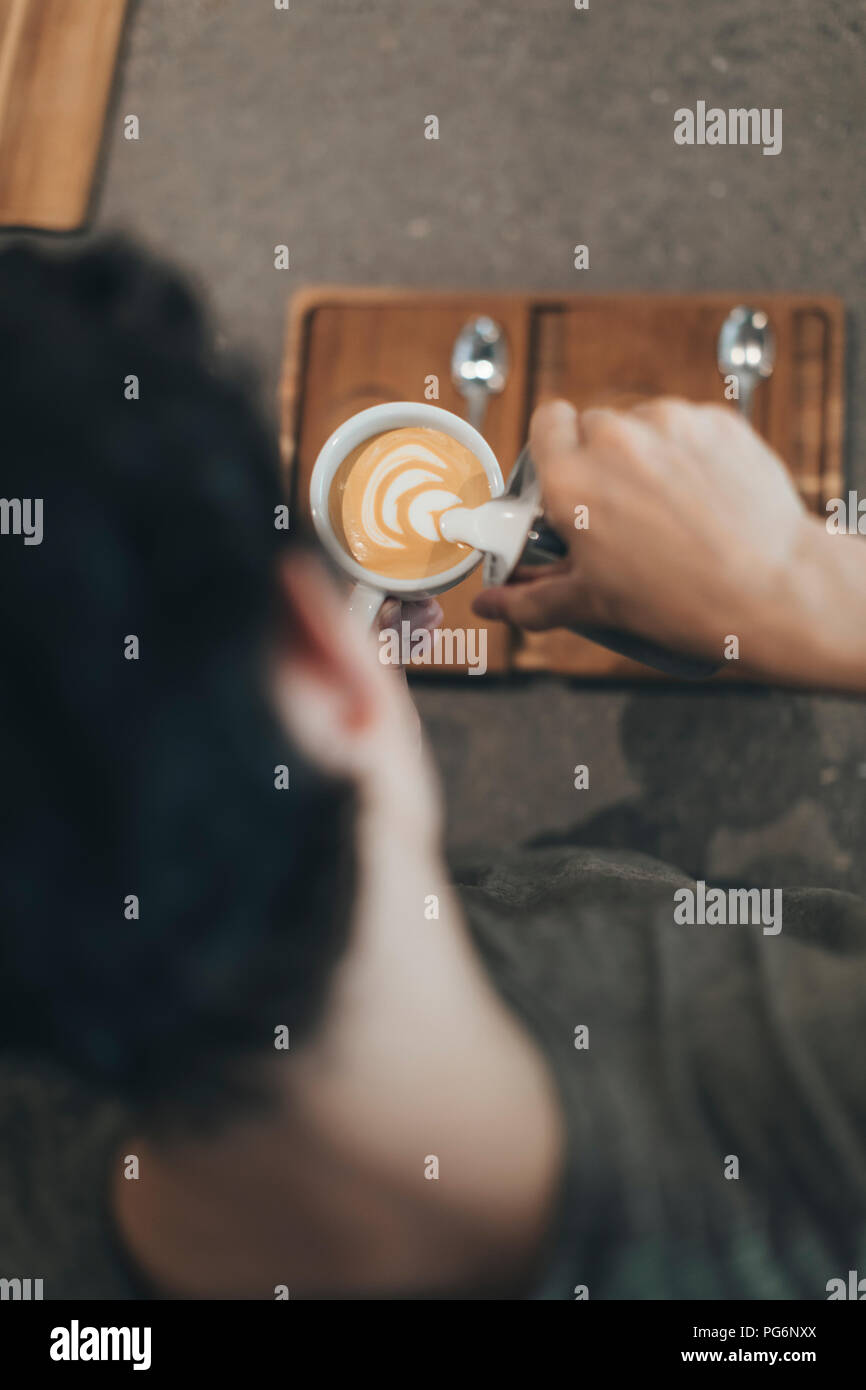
{"x": 479, "y": 365}
{"x": 747, "y": 350}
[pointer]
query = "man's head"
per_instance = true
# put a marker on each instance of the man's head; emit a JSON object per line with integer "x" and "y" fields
{"x": 145, "y": 769}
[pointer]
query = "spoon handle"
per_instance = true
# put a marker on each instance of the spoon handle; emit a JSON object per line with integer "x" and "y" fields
{"x": 746, "y": 383}
{"x": 477, "y": 403}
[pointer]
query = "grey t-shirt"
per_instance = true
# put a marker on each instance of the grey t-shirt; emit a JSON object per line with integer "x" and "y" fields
{"x": 717, "y": 1116}
{"x": 712, "y": 1079}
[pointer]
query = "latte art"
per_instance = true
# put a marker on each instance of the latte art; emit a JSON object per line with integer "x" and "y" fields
{"x": 389, "y": 493}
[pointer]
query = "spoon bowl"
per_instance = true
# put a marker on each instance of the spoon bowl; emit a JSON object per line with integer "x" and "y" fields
{"x": 746, "y": 349}
{"x": 479, "y": 365}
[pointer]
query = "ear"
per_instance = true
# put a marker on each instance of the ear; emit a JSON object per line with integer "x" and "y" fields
{"x": 327, "y": 682}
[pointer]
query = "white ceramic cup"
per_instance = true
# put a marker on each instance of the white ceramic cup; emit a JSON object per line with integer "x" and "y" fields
{"x": 372, "y": 589}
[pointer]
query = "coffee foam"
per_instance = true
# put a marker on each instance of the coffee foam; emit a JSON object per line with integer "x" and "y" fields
{"x": 389, "y": 493}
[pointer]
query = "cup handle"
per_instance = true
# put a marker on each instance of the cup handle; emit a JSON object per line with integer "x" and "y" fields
{"x": 365, "y": 604}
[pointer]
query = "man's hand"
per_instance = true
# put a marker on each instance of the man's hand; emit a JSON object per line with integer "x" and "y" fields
{"x": 694, "y": 532}
{"x": 423, "y": 614}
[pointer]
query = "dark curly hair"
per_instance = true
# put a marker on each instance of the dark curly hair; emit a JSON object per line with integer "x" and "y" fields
{"x": 153, "y": 777}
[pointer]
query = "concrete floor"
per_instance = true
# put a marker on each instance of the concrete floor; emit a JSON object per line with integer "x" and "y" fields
{"x": 261, "y": 126}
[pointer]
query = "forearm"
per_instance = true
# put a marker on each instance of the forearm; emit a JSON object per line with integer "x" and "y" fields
{"x": 813, "y": 632}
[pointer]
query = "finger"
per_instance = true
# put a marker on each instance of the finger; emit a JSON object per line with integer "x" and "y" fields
{"x": 528, "y": 574}
{"x": 424, "y": 614}
{"x": 389, "y": 614}
{"x": 669, "y": 416}
{"x": 558, "y": 601}
{"x": 421, "y": 614}
{"x": 613, "y": 430}
{"x": 553, "y": 444}
{"x": 553, "y": 428}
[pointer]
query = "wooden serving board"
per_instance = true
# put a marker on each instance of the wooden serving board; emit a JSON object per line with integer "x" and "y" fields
{"x": 351, "y": 348}
{"x": 56, "y": 67}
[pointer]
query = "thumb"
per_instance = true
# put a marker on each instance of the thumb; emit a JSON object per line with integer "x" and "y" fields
{"x": 537, "y": 604}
